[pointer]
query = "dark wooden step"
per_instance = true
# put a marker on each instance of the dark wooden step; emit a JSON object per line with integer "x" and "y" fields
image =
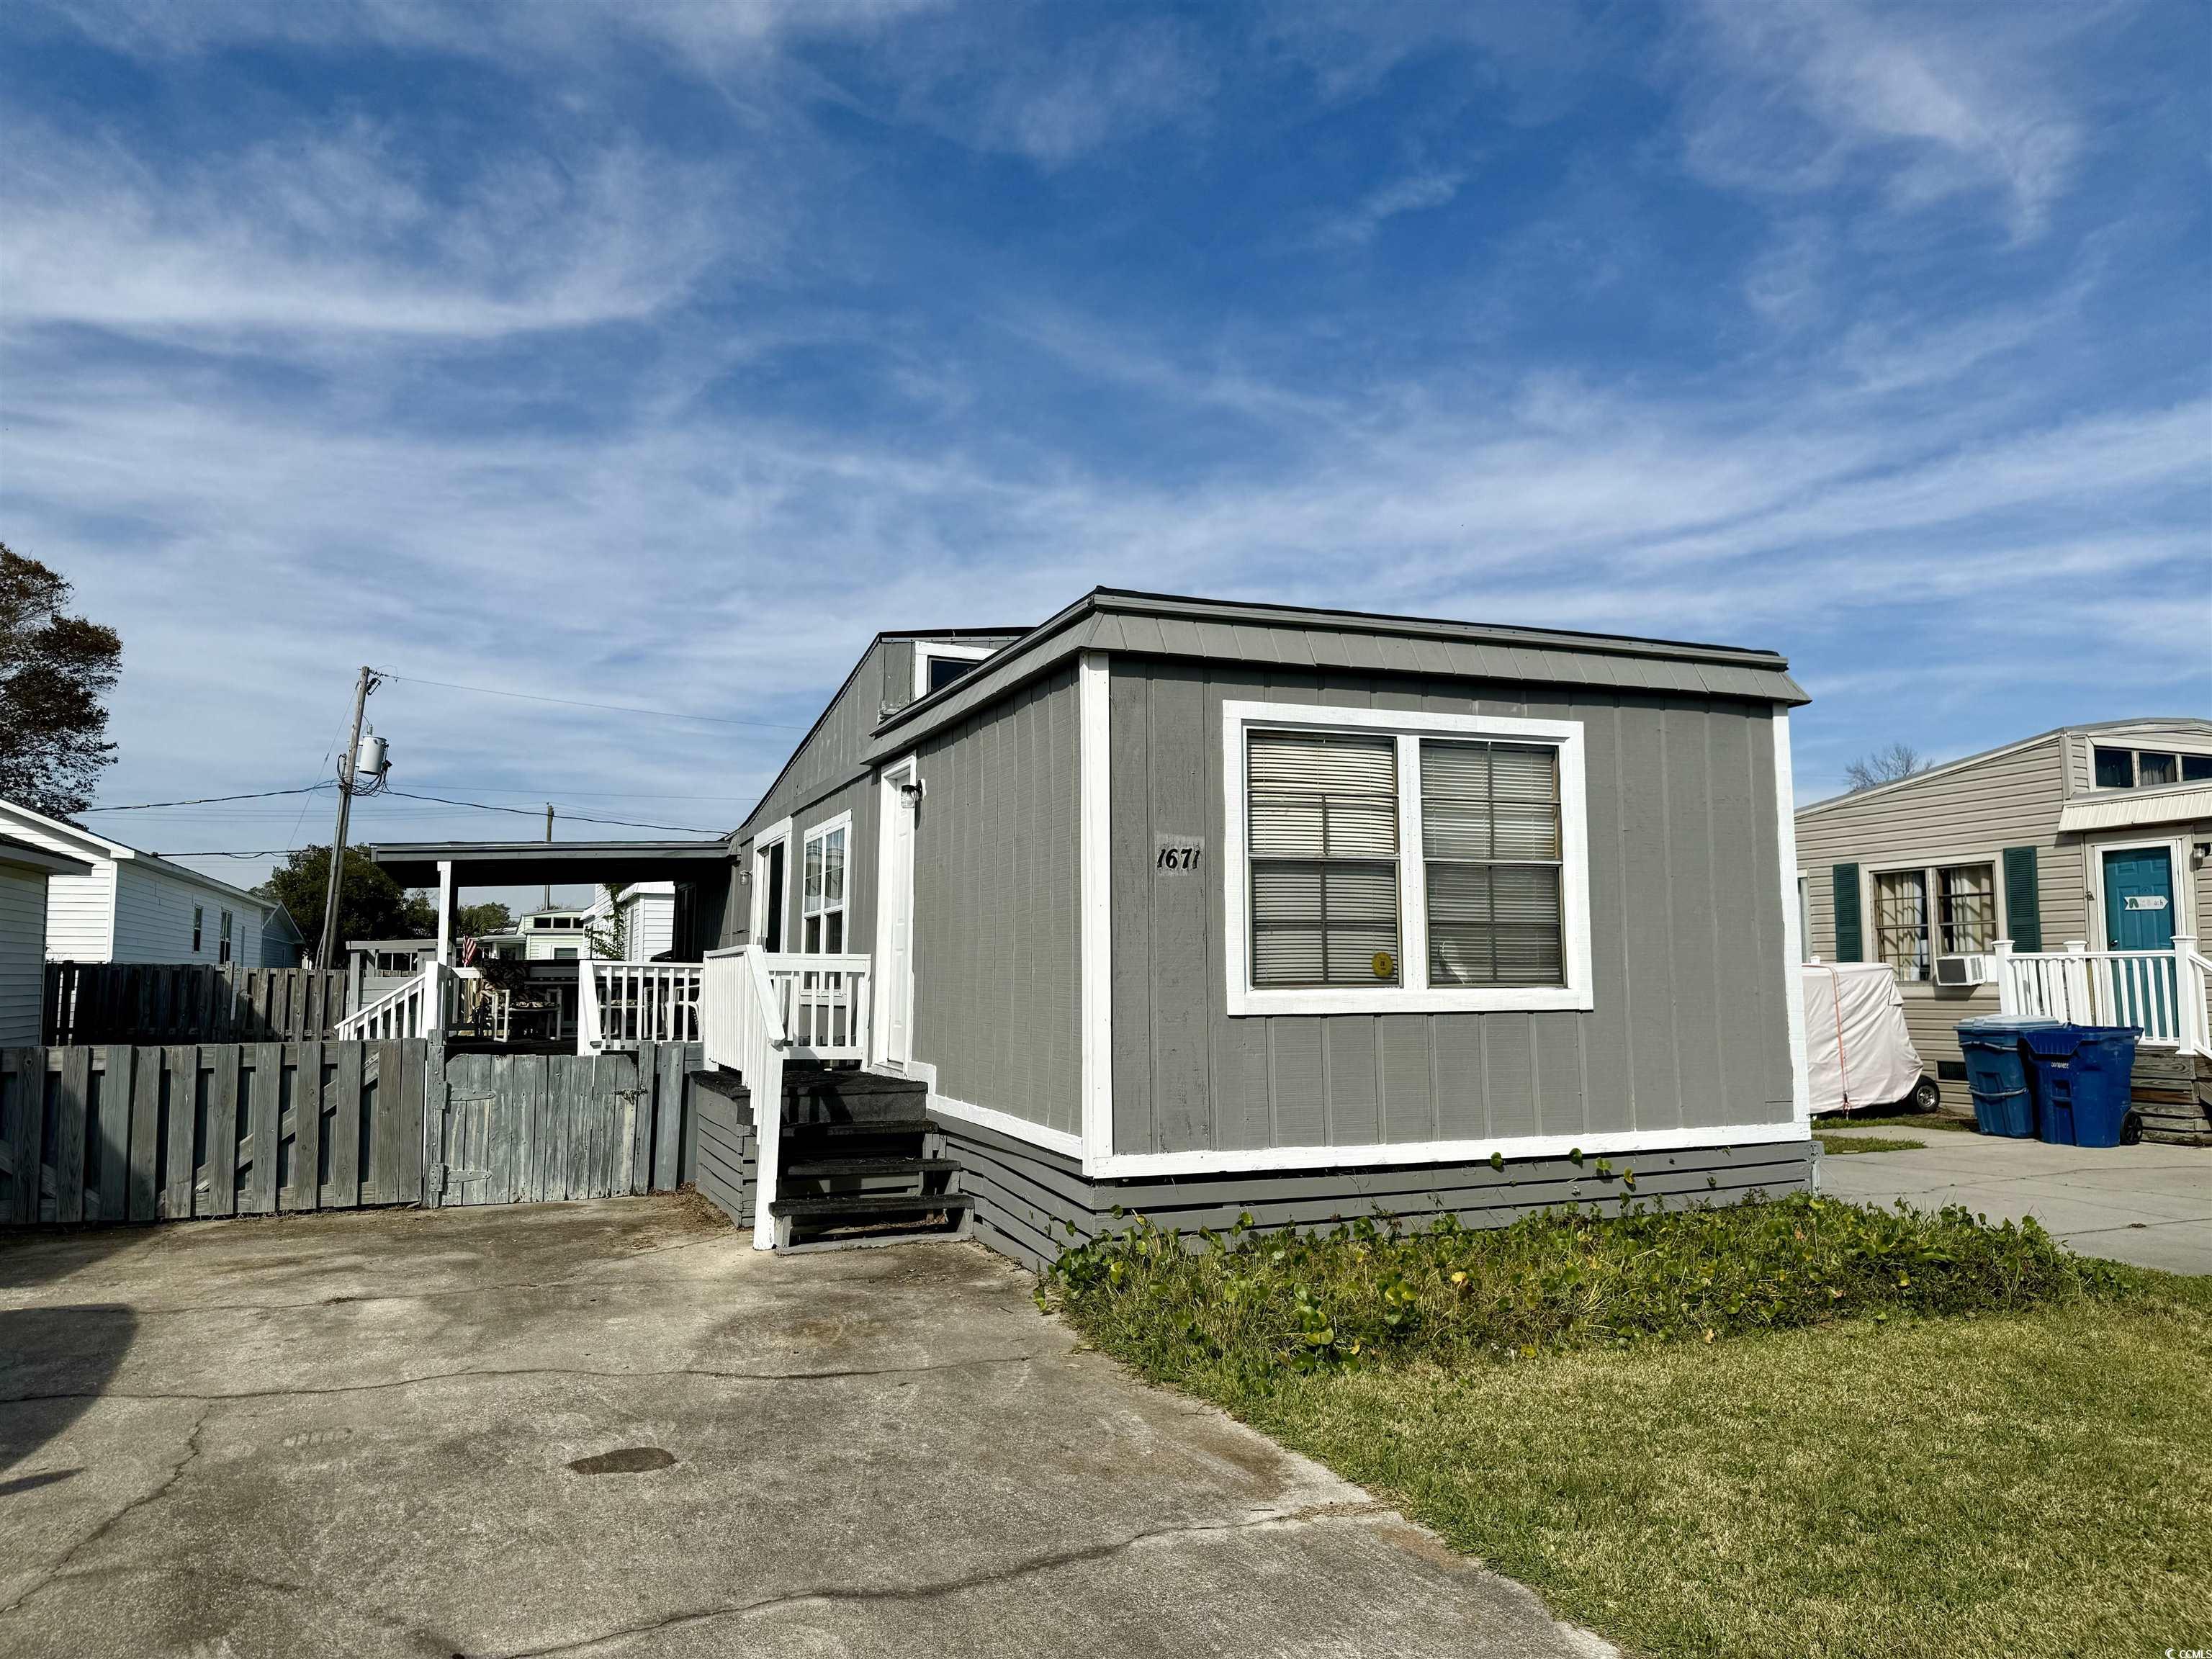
{"x": 885, "y": 1126}
{"x": 858, "y": 1204}
{"x": 828, "y": 1169}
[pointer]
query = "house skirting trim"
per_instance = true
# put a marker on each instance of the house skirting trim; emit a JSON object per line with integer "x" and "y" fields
{"x": 1032, "y": 1204}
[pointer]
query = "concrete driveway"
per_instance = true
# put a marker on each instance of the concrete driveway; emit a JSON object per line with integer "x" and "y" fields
{"x": 612, "y": 1428}
{"x": 2149, "y": 1205}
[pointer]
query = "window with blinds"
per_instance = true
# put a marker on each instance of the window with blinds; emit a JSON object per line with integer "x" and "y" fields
{"x": 1322, "y": 840}
{"x": 1491, "y": 850}
{"x": 1966, "y": 915}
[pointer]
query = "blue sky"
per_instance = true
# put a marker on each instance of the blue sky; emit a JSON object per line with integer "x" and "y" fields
{"x": 659, "y": 355}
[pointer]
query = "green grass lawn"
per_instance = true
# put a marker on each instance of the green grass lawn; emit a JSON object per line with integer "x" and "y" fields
{"x": 2006, "y": 1456}
{"x": 1843, "y": 1145}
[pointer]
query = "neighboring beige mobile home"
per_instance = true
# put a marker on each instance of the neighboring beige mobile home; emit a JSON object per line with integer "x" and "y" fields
{"x": 1978, "y": 879}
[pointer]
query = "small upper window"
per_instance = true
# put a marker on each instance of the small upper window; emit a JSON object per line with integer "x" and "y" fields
{"x": 2197, "y": 768}
{"x": 942, "y": 670}
{"x": 2116, "y": 769}
{"x": 222, "y": 947}
{"x": 822, "y": 898}
{"x": 199, "y": 919}
{"x": 2152, "y": 769}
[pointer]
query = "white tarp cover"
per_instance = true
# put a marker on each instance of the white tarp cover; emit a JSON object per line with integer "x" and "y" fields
{"x": 1858, "y": 1053}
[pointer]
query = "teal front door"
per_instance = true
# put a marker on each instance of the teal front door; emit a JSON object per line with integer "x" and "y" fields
{"x": 2139, "y": 916}
{"x": 2139, "y": 900}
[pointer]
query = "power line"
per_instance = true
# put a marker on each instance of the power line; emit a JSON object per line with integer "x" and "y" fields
{"x": 610, "y": 708}
{"x": 210, "y": 800}
{"x": 570, "y": 818}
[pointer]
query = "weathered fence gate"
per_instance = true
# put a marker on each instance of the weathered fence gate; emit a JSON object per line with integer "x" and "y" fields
{"x": 528, "y": 1128}
{"x": 122, "y": 1133}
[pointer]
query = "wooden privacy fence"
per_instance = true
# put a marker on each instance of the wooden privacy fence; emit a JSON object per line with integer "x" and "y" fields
{"x": 145, "y": 1003}
{"x": 122, "y": 1133}
{"x": 114, "y": 1132}
{"x": 526, "y": 1128}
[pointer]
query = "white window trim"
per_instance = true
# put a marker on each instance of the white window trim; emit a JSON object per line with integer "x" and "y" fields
{"x": 1415, "y": 994}
{"x": 2176, "y": 864}
{"x": 778, "y": 831}
{"x": 894, "y": 777}
{"x": 1930, "y": 868}
{"x": 822, "y": 831}
{"x": 928, "y": 651}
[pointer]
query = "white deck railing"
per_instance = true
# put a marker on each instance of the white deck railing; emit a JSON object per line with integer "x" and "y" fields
{"x": 620, "y": 1005}
{"x": 2163, "y": 992}
{"x": 741, "y": 1027}
{"x": 823, "y": 1002}
{"x": 416, "y": 1009}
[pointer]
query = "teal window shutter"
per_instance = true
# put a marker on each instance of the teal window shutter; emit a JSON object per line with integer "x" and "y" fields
{"x": 2023, "y": 908}
{"x": 1850, "y": 942}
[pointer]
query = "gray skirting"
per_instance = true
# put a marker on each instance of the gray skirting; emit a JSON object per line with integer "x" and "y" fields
{"x": 1032, "y": 1204}
{"x": 728, "y": 1157}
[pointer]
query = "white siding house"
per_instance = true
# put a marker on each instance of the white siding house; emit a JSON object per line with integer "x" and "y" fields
{"x": 25, "y": 871}
{"x": 137, "y": 907}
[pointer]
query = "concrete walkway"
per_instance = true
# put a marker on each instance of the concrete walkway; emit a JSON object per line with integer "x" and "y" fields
{"x": 2149, "y": 1205}
{"x": 612, "y": 1428}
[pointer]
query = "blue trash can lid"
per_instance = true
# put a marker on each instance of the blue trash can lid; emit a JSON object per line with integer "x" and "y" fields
{"x": 2004, "y": 1025}
{"x": 2065, "y": 1039}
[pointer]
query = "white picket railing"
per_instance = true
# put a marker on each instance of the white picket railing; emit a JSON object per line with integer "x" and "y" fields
{"x": 416, "y": 1009}
{"x": 823, "y": 1002}
{"x": 741, "y": 1027}
{"x": 2163, "y": 992}
{"x": 620, "y": 1005}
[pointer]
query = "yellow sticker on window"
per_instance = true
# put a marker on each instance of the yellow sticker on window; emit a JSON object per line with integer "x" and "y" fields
{"x": 1384, "y": 965}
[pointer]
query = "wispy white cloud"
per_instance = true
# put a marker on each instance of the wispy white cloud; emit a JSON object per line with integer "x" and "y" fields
{"x": 338, "y": 230}
{"x": 1418, "y": 191}
{"x": 1944, "y": 101}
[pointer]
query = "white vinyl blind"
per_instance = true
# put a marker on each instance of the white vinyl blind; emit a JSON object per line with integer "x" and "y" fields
{"x": 1492, "y": 850}
{"x": 1323, "y": 838}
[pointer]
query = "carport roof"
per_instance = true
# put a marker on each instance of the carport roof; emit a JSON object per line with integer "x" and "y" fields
{"x": 524, "y": 863}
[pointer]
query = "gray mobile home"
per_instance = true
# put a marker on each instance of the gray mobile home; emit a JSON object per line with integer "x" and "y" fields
{"x": 1199, "y": 909}
{"x": 2060, "y": 875}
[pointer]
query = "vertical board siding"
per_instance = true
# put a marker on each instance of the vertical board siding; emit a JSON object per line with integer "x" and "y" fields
{"x": 1690, "y": 1027}
{"x": 997, "y": 909}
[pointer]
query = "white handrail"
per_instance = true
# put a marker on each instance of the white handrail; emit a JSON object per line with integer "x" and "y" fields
{"x": 741, "y": 1027}
{"x": 2162, "y": 992}
{"x": 414, "y": 1009}
{"x": 822, "y": 1000}
{"x": 622, "y": 1003}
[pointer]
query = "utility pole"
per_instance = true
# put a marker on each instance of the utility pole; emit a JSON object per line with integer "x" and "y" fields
{"x": 549, "y": 842}
{"x": 336, "y": 880}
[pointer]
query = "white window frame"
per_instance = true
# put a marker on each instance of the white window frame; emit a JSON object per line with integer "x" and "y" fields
{"x": 1415, "y": 994}
{"x": 757, "y": 933}
{"x": 822, "y": 832}
{"x": 225, "y": 938}
{"x": 1931, "y": 869}
{"x": 928, "y": 651}
{"x": 199, "y": 925}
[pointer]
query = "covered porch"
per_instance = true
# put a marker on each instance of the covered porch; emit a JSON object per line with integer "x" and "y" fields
{"x": 594, "y": 1004}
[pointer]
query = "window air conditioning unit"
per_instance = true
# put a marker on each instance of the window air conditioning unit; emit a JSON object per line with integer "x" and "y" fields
{"x": 1965, "y": 971}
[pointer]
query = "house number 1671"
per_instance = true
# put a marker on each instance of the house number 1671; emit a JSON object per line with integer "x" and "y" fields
{"x": 1182, "y": 856}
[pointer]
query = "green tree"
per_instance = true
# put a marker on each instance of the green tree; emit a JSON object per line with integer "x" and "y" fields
{"x": 56, "y": 671}
{"x": 490, "y": 917}
{"x": 372, "y": 905}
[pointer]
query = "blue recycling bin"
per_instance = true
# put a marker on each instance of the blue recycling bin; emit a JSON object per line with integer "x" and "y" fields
{"x": 2081, "y": 1075}
{"x": 1997, "y": 1073}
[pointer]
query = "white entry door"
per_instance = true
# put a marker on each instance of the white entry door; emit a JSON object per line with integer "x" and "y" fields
{"x": 895, "y": 919}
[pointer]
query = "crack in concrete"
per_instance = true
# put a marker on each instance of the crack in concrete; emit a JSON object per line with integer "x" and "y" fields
{"x": 492, "y": 1372}
{"x": 176, "y": 1474}
{"x": 1305, "y": 1515}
